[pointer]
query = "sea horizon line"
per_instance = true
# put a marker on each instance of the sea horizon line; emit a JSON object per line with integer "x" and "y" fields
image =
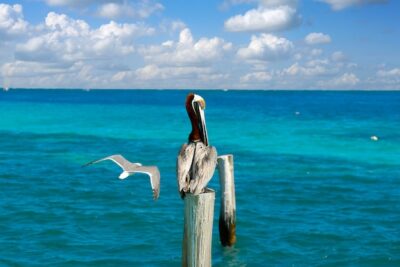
{"x": 197, "y": 89}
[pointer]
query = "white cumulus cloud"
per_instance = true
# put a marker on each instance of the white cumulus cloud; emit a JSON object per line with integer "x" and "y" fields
{"x": 316, "y": 52}
{"x": 111, "y": 10}
{"x": 256, "y": 77}
{"x": 12, "y": 20}
{"x": 154, "y": 72}
{"x": 179, "y": 63}
{"x": 315, "y": 38}
{"x": 347, "y": 80}
{"x": 155, "y": 76}
{"x": 309, "y": 69}
{"x": 141, "y": 9}
{"x": 75, "y": 52}
{"x": 187, "y": 51}
{"x": 69, "y": 51}
{"x": 67, "y": 39}
{"x": 342, "y": 4}
{"x": 278, "y": 2}
{"x": 267, "y": 19}
{"x": 338, "y": 56}
{"x": 385, "y": 79}
{"x": 266, "y": 47}
{"x": 316, "y": 68}
{"x": 389, "y": 73}
{"x": 74, "y": 3}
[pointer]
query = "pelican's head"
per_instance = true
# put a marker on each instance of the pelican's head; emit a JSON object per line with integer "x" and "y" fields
{"x": 195, "y": 106}
{"x": 199, "y": 100}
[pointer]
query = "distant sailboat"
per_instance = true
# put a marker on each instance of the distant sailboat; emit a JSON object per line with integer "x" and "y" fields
{"x": 5, "y": 89}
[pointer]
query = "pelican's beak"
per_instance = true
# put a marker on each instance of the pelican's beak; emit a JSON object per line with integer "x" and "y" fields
{"x": 200, "y": 111}
{"x": 203, "y": 127}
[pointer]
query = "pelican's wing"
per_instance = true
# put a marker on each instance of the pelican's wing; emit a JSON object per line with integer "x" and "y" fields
{"x": 205, "y": 163}
{"x": 120, "y": 161}
{"x": 183, "y": 165}
{"x": 154, "y": 174}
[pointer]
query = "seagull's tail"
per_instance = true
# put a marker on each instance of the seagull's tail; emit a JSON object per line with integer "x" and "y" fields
{"x": 123, "y": 175}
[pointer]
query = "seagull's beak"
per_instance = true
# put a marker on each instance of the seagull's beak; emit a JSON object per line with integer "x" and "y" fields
{"x": 200, "y": 113}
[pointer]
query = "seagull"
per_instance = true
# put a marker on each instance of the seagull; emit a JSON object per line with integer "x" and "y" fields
{"x": 130, "y": 168}
{"x": 196, "y": 160}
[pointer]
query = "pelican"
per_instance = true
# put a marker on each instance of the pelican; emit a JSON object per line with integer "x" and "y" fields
{"x": 196, "y": 160}
{"x": 130, "y": 168}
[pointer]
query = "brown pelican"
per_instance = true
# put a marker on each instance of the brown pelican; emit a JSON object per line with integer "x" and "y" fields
{"x": 196, "y": 160}
{"x": 130, "y": 168}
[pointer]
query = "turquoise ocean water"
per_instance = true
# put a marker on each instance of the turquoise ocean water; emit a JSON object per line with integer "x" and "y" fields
{"x": 312, "y": 188}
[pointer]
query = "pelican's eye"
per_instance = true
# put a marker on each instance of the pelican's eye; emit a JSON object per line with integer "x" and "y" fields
{"x": 202, "y": 104}
{"x": 200, "y": 100}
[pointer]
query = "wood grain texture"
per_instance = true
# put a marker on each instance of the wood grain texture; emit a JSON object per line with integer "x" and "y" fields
{"x": 197, "y": 236}
{"x": 227, "y": 215}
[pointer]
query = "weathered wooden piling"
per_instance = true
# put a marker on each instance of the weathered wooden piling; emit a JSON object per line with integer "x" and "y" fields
{"x": 227, "y": 215}
{"x": 197, "y": 235}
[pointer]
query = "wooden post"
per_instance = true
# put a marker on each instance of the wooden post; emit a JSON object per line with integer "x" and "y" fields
{"x": 227, "y": 215}
{"x": 197, "y": 235}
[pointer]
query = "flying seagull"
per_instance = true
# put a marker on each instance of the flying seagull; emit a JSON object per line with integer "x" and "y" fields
{"x": 196, "y": 160}
{"x": 130, "y": 168}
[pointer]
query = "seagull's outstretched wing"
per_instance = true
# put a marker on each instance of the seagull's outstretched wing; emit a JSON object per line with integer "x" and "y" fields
{"x": 120, "y": 161}
{"x": 154, "y": 174}
{"x": 130, "y": 168}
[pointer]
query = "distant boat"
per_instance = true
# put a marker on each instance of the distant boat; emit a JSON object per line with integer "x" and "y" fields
{"x": 86, "y": 89}
{"x": 5, "y": 89}
{"x": 225, "y": 90}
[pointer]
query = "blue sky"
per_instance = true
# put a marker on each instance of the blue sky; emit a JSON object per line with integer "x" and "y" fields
{"x": 241, "y": 44}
